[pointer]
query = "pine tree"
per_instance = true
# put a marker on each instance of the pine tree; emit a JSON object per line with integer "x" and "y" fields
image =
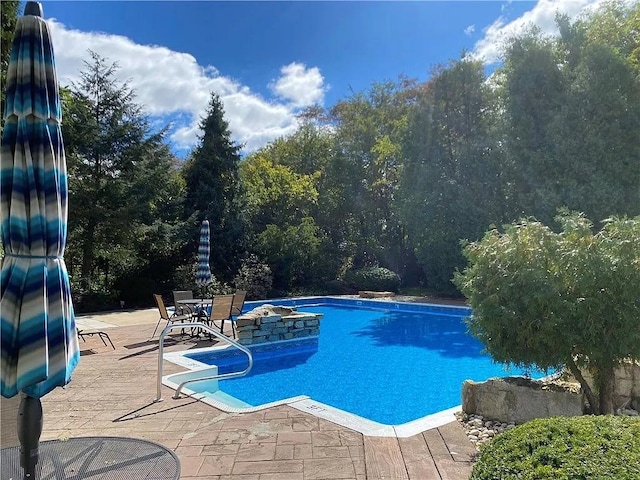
{"x": 119, "y": 171}
{"x": 211, "y": 175}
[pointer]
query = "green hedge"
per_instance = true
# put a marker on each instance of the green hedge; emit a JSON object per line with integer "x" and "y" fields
{"x": 561, "y": 448}
{"x": 373, "y": 278}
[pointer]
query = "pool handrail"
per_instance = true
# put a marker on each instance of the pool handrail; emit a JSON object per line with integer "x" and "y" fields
{"x": 221, "y": 336}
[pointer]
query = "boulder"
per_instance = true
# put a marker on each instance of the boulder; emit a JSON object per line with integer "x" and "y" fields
{"x": 268, "y": 309}
{"x": 374, "y": 294}
{"x": 519, "y": 399}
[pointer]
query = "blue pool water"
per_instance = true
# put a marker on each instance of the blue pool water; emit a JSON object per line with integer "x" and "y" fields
{"x": 388, "y": 366}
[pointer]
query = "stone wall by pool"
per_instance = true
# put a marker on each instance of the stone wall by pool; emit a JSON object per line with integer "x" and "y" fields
{"x": 269, "y": 323}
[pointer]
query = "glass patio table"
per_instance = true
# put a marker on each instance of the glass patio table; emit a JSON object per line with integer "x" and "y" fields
{"x": 198, "y": 306}
{"x": 103, "y": 458}
{"x": 199, "y": 310}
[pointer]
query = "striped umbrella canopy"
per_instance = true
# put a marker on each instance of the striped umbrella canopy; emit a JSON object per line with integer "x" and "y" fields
{"x": 203, "y": 274}
{"x": 39, "y": 341}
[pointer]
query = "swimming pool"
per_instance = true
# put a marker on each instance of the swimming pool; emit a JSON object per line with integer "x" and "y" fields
{"x": 389, "y": 362}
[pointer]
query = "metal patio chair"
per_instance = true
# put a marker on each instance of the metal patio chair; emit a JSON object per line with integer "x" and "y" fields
{"x": 221, "y": 310}
{"x": 183, "y": 309}
{"x": 101, "y": 335}
{"x": 164, "y": 315}
{"x": 238, "y": 302}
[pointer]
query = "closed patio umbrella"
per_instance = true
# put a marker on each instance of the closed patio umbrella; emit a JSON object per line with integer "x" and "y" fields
{"x": 39, "y": 342}
{"x": 203, "y": 274}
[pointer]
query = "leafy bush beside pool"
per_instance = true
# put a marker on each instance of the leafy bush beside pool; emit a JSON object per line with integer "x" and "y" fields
{"x": 374, "y": 278}
{"x": 593, "y": 447}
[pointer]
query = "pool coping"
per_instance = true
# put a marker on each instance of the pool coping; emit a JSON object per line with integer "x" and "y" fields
{"x": 361, "y": 302}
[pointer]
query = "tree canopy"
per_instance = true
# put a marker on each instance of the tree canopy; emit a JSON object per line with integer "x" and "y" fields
{"x": 394, "y": 176}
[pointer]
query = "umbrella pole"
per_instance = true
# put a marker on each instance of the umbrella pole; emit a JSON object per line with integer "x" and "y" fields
{"x": 29, "y": 431}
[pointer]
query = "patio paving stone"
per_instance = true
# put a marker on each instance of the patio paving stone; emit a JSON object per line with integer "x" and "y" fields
{"x": 302, "y": 451}
{"x": 256, "y": 452}
{"x": 282, "y": 476}
{"x": 325, "y": 439}
{"x": 215, "y": 449}
{"x": 287, "y": 438}
{"x": 284, "y": 452}
{"x": 217, "y": 465}
{"x": 275, "y": 466}
{"x": 331, "y": 452}
{"x": 328, "y": 469}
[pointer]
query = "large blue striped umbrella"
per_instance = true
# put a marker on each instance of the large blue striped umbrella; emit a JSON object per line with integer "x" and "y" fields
{"x": 203, "y": 274}
{"x": 39, "y": 341}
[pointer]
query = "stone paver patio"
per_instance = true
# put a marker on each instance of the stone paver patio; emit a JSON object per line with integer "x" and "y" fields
{"x": 112, "y": 393}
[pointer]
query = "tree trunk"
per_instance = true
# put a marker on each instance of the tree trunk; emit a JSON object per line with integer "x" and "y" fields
{"x": 87, "y": 253}
{"x": 591, "y": 398}
{"x": 606, "y": 383}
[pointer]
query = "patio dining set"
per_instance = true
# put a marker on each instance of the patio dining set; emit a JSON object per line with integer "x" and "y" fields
{"x": 209, "y": 311}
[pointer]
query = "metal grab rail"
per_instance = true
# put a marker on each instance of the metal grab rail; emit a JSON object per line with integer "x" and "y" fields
{"x": 168, "y": 328}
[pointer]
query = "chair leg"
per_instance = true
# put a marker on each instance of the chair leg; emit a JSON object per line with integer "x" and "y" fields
{"x": 102, "y": 335}
{"x": 155, "y": 329}
{"x": 233, "y": 328}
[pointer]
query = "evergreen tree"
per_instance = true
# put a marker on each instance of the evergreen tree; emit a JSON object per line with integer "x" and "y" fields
{"x": 213, "y": 191}
{"x": 119, "y": 172}
{"x": 596, "y": 132}
{"x": 533, "y": 94}
{"x": 450, "y": 184}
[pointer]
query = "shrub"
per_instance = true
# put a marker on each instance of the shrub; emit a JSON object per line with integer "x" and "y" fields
{"x": 94, "y": 298}
{"x": 564, "y": 448}
{"x": 335, "y": 287}
{"x": 254, "y": 277}
{"x": 373, "y": 278}
{"x": 184, "y": 277}
{"x": 214, "y": 287}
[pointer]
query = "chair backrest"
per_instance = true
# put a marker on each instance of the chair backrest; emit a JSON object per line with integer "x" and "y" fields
{"x": 161, "y": 308}
{"x": 182, "y": 295}
{"x": 221, "y": 307}
{"x": 238, "y": 302}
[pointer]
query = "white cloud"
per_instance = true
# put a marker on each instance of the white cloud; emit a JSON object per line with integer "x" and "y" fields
{"x": 470, "y": 29}
{"x": 489, "y": 48}
{"x": 301, "y": 85}
{"x": 173, "y": 86}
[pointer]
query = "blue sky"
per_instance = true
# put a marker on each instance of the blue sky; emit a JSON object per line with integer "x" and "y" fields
{"x": 268, "y": 60}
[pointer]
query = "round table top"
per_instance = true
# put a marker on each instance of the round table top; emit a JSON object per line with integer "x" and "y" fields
{"x": 104, "y": 458}
{"x": 194, "y": 301}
